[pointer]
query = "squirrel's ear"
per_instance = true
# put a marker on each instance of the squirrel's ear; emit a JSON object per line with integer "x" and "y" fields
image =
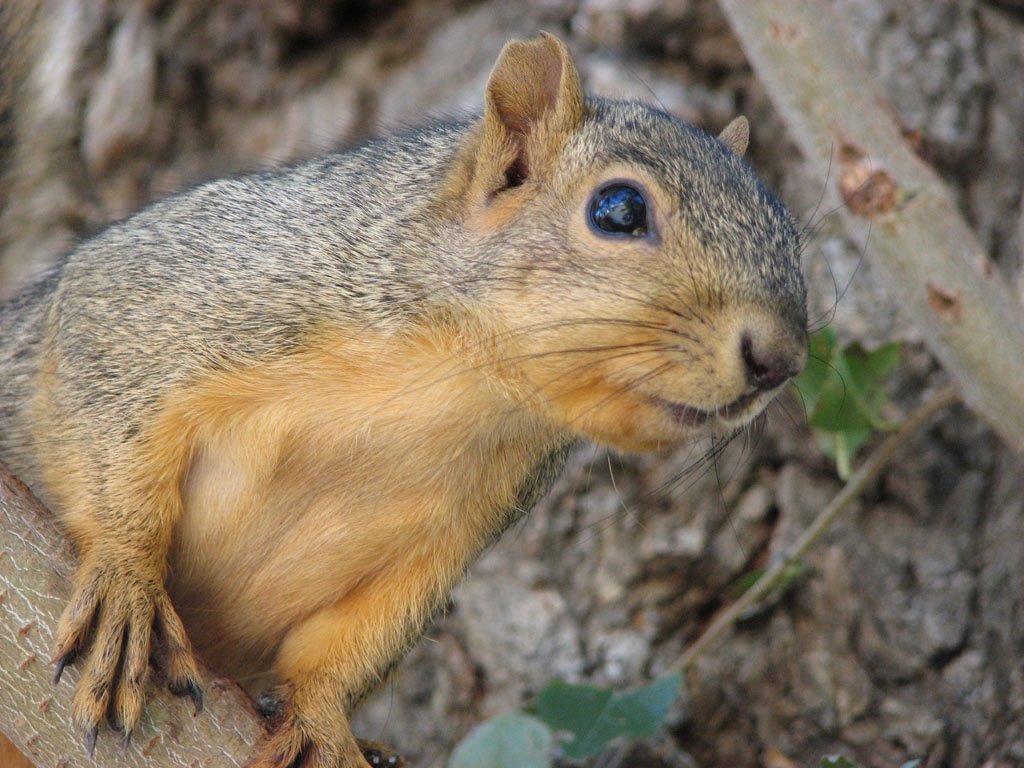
{"x": 736, "y": 135}
{"x": 533, "y": 103}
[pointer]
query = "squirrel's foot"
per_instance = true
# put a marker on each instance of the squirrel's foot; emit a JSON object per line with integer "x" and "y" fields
{"x": 116, "y": 609}
{"x": 296, "y": 742}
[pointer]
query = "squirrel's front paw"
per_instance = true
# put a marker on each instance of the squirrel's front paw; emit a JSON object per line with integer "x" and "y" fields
{"x": 295, "y": 741}
{"x": 119, "y": 607}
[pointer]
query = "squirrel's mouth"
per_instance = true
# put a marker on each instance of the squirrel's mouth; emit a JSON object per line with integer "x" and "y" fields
{"x": 690, "y": 416}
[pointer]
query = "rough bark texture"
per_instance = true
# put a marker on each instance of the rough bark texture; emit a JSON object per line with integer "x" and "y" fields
{"x": 903, "y": 638}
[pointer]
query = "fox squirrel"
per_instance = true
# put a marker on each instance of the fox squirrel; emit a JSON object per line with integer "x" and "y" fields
{"x": 280, "y": 414}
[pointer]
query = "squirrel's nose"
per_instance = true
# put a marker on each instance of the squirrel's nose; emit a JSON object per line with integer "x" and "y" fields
{"x": 770, "y": 366}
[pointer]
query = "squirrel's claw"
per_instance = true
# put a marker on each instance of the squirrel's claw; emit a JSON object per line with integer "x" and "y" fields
{"x": 175, "y": 654}
{"x": 271, "y": 705}
{"x": 188, "y": 688}
{"x": 380, "y": 756}
{"x": 62, "y": 662}
{"x": 90, "y": 740}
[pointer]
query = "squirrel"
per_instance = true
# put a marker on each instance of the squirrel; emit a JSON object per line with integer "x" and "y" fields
{"x": 280, "y": 414}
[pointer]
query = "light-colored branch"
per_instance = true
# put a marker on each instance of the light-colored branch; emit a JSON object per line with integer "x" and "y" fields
{"x": 36, "y": 716}
{"x": 863, "y": 477}
{"x": 931, "y": 260}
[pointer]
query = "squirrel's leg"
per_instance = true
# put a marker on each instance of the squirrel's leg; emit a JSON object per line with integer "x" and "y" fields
{"x": 333, "y": 659}
{"x": 119, "y": 602}
{"x": 274, "y": 704}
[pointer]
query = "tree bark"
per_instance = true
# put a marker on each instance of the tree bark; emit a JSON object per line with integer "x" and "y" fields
{"x": 35, "y": 562}
{"x": 894, "y": 201}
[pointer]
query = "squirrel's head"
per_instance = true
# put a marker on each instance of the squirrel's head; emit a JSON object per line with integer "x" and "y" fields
{"x": 645, "y": 285}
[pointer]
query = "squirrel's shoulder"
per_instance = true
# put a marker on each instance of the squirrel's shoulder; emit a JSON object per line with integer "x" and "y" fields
{"x": 379, "y": 171}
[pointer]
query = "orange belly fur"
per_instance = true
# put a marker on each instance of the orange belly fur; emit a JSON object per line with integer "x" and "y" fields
{"x": 321, "y": 473}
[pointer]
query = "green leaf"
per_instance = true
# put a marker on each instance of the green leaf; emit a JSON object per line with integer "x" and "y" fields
{"x": 883, "y": 361}
{"x": 844, "y": 391}
{"x": 817, "y": 371}
{"x": 866, "y": 374}
{"x": 597, "y": 716}
{"x": 573, "y": 708}
{"x": 838, "y": 411}
{"x": 514, "y": 740}
{"x": 841, "y": 447}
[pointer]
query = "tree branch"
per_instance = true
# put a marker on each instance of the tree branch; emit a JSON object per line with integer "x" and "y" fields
{"x": 35, "y": 561}
{"x": 932, "y": 261}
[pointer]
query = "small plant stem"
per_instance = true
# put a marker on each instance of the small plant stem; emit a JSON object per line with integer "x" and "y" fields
{"x": 860, "y": 479}
{"x": 616, "y": 757}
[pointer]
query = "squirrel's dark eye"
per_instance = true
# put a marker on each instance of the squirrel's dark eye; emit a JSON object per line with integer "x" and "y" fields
{"x": 619, "y": 210}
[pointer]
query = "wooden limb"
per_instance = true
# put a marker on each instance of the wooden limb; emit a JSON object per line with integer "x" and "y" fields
{"x": 931, "y": 260}
{"x": 35, "y": 561}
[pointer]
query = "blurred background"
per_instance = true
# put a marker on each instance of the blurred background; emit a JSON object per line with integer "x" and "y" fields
{"x": 902, "y": 637}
